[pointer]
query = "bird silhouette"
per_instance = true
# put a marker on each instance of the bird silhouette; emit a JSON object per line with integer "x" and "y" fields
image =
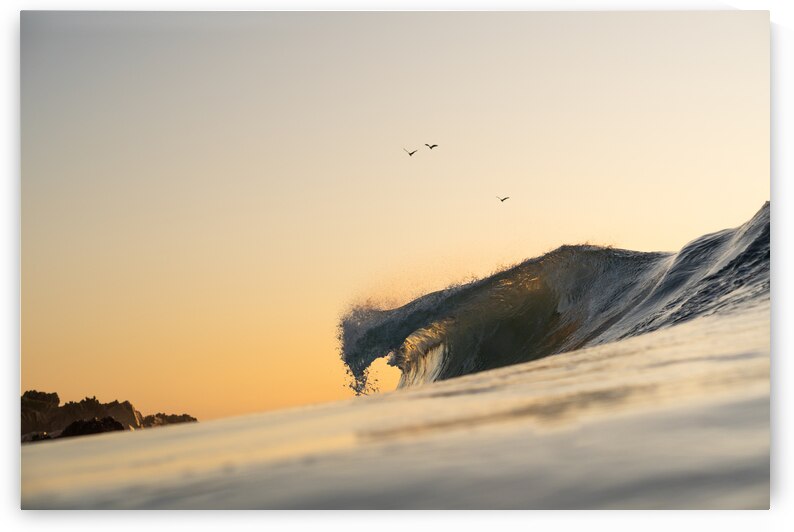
{"x": 410, "y": 152}
{"x": 503, "y": 199}
{"x": 431, "y": 146}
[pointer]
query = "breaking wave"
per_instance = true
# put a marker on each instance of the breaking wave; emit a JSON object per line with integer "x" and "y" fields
{"x": 572, "y": 297}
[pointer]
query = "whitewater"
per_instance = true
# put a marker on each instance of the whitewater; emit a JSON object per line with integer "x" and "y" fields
{"x": 586, "y": 378}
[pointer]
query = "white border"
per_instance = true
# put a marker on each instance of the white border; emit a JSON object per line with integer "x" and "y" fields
{"x": 779, "y": 518}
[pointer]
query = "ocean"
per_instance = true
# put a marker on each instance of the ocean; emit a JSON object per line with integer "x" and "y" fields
{"x": 586, "y": 378}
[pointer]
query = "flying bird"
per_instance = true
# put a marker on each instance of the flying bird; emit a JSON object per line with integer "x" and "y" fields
{"x": 431, "y": 146}
{"x": 503, "y": 199}
{"x": 410, "y": 152}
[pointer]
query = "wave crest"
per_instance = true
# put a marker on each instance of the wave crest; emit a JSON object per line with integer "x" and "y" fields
{"x": 572, "y": 297}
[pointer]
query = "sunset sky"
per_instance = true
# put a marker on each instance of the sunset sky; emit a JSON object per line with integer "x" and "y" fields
{"x": 205, "y": 194}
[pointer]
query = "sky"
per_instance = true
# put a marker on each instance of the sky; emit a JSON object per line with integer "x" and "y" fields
{"x": 204, "y": 195}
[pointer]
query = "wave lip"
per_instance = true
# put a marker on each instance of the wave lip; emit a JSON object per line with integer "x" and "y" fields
{"x": 572, "y": 297}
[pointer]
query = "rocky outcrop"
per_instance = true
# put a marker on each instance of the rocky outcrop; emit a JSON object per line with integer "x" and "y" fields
{"x": 38, "y": 436}
{"x": 90, "y": 408}
{"x": 38, "y": 408}
{"x": 41, "y": 413}
{"x": 91, "y": 426}
{"x": 160, "y": 419}
{"x": 44, "y": 418}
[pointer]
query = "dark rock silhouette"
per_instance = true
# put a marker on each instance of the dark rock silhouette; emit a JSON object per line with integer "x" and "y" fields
{"x": 37, "y": 409}
{"x": 160, "y": 419}
{"x": 41, "y": 413}
{"x": 43, "y": 418}
{"x": 38, "y": 436}
{"x": 90, "y": 408}
{"x": 91, "y": 426}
